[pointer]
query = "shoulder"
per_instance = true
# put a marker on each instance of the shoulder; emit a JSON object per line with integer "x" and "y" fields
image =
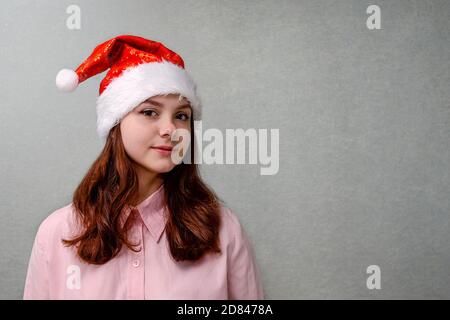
{"x": 59, "y": 223}
{"x": 231, "y": 227}
{"x": 229, "y": 218}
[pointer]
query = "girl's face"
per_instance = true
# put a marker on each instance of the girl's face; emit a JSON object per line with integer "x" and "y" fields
{"x": 151, "y": 124}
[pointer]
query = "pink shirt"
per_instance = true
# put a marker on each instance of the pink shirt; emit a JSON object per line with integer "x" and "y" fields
{"x": 56, "y": 272}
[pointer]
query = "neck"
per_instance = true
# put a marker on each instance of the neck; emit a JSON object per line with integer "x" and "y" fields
{"x": 149, "y": 182}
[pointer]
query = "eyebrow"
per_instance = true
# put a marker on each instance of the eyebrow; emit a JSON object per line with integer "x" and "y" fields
{"x": 156, "y": 103}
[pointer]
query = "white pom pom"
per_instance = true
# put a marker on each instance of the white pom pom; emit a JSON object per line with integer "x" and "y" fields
{"x": 67, "y": 80}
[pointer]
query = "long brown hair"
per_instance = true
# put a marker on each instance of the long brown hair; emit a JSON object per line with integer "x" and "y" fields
{"x": 111, "y": 184}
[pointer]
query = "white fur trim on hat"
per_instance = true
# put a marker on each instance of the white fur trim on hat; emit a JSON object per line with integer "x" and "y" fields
{"x": 139, "y": 83}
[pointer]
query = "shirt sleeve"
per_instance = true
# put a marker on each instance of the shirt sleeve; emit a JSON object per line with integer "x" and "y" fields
{"x": 244, "y": 280}
{"x": 36, "y": 283}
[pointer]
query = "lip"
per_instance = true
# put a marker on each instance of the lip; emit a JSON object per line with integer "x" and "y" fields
{"x": 165, "y": 151}
{"x": 169, "y": 148}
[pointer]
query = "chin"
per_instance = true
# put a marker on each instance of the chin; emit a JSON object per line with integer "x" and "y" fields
{"x": 163, "y": 167}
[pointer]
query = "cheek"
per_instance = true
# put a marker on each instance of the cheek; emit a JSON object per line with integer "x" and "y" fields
{"x": 136, "y": 137}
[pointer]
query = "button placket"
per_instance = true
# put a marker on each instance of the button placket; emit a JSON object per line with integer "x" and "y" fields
{"x": 136, "y": 263}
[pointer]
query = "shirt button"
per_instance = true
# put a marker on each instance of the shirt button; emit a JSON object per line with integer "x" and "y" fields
{"x": 136, "y": 263}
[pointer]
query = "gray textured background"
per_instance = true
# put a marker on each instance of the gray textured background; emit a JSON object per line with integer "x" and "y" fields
{"x": 363, "y": 115}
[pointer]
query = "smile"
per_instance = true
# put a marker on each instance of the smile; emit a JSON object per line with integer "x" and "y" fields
{"x": 163, "y": 152}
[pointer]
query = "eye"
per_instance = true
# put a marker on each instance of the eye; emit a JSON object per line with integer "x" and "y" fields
{"x": 186, "y": 117}
{"x": 148, "y": 112}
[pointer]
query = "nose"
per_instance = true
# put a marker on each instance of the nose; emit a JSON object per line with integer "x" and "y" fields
{"x": 167, "y": 128}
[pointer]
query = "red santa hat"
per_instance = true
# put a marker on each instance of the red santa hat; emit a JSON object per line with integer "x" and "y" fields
{"x": 138, "y": 69}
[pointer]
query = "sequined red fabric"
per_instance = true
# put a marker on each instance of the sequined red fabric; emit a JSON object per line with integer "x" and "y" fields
{"x": 120, "y": 53}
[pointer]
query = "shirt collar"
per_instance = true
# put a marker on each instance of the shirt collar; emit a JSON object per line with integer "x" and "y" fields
{"x": 152, "y": 212}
